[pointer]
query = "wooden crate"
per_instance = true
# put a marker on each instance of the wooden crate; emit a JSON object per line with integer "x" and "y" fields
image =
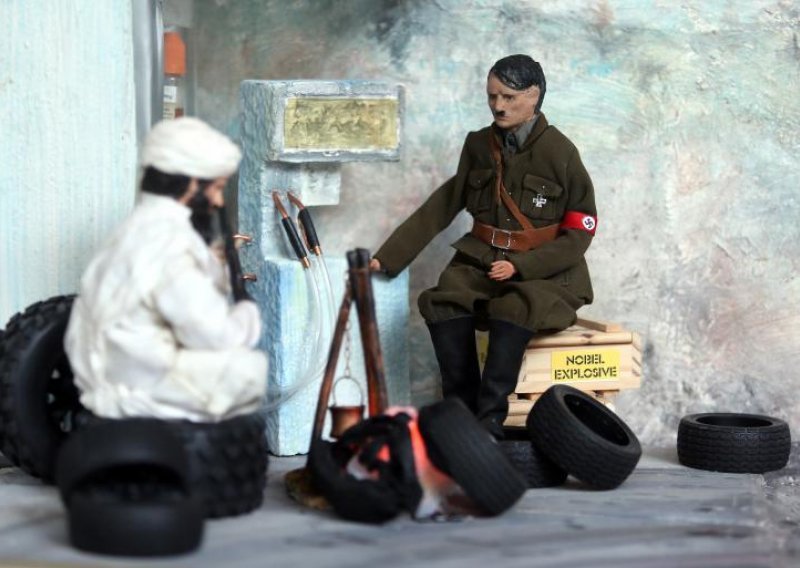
{"x": 596, "y": 357}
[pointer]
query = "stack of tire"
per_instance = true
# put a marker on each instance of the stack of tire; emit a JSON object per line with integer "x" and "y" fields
{"x": 219, "y": 469}
{"x": 571, "y": 433}
{"x": 125, "y": 486}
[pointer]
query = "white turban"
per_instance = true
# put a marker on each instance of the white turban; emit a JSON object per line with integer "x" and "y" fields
{"x": 188, "y": 146}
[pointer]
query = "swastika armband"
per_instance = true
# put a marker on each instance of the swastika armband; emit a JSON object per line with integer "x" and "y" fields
{"x": 579, "y": 220}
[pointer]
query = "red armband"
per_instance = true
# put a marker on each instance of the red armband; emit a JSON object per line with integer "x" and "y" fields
{"x": 578, "y": 220}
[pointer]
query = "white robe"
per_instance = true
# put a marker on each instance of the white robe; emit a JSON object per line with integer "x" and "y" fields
{"x": 153, "y": 333}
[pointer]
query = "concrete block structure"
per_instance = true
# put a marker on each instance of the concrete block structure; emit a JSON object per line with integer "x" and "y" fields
{"x": 288, "y": 340}
{"x": 295, "y": 135}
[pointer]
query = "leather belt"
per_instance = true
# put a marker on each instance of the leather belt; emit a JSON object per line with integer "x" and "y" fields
{"x": 517, "y": 241}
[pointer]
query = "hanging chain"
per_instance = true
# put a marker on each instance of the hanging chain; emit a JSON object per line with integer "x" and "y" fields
{"x": 347, "y": 337}
{"x": 347, "y": 342}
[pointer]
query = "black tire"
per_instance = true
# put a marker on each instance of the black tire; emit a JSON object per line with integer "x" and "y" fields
{"x": 2, "y": 342}
{"x": 109, "y": 445}
{"x": 537, "y": 469}
{"x": 459, "y": 446}
{"x": 138, "y": 529}
{"x": 38, "y": 400}
{"x": 124, "y": 484}
{"x": 733, "y": 443}
{"x": 583, "y": 437}
{"x": 359, "y": 500}
{"x": 227, "y": 463}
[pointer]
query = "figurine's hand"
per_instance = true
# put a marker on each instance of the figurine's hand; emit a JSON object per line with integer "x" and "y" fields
{"x": 502, "y": 270}
{"x": 375, "y": 265}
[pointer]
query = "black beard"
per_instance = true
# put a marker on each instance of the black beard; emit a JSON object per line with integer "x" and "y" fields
{"x": 202, "y": 216}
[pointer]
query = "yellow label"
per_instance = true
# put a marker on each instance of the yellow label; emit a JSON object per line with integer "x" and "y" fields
{"x": 335, "y": 123}
{"x": 585, "y": 365}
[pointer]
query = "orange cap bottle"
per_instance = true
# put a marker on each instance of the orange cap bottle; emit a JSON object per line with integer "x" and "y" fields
{"x": 174, "y": 72}
{"x": 174, "y": 54}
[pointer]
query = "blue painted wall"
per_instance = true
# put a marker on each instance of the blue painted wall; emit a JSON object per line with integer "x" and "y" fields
{"x": 68, "y": 151}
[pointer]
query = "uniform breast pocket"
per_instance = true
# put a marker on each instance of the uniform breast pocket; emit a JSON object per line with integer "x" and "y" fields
{"x": 540, "y": 197}
{"x": 479, "y": 190}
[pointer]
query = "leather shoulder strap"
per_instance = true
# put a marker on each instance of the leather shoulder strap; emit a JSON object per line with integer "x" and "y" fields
{"x": 500, "y": 193}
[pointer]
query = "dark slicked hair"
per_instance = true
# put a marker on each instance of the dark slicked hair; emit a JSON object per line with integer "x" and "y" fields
{"x": 520, "y": 72}
{"x": 160, "y": 183}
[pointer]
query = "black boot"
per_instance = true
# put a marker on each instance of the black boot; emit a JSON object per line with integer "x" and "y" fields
{"x": 507, "y": 343}
{"x": 454, "y": 343}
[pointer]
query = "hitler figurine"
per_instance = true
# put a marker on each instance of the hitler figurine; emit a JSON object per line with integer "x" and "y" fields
{"x": 153, "y": 331}
{"x": 521, "y": 269}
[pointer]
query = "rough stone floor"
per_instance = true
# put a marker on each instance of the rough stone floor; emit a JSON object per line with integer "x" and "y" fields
{"x": 664, "y": 515}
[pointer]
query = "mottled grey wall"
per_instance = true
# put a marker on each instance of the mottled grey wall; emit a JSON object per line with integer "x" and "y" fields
{"x": 686, "y": 114}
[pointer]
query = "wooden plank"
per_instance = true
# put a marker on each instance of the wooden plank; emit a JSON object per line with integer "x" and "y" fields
{"x": 637, "y": 341}
{"x": 518, "y": 412}
{"x": 536, "y": 366}
{"x": 593, "y": 333}
{"x": 515, "y": 421}
{"x": 545, "y": 375}
{"x": 527, "y": 396}
{"x": 593, "y": 392}
{"x": 576, "y": 337}
{"x": 540, "y": 383}
{"x": 520, "y": 406}
{"x": 542, "y": 364}
{"x": 540, "y": 359}
{"x": 598, "y": 325}
{"x": 606, "y": 396}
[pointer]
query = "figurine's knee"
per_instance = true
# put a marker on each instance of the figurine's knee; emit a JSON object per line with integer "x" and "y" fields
{"x": 245, "y": 380}
{"x": 538, "y": 312}
{"x": 512, "y": 308}
{"x": 242, "y": 386}
{"x": 212, "y": 385}
{"x": 435, "y": 306}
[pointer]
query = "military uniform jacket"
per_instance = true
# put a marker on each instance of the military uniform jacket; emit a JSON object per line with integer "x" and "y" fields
{"x": 545, "y": 178}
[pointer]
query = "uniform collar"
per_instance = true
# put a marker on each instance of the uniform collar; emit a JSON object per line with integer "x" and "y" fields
{"x": 538, "y": 129}
{"x": 539, "y": 126}
{"x": 523, "y": 131}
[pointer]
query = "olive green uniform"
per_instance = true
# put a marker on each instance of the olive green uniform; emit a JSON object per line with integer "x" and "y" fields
{"x": 545, "y": 178}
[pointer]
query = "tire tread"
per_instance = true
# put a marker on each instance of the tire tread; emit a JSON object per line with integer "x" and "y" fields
{"x": 734, "y": 449}
{"x": 17, "y": 336}
{"x": 574, "y": 447}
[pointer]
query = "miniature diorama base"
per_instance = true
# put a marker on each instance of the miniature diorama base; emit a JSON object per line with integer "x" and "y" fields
{"x": 287, "y": 341}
